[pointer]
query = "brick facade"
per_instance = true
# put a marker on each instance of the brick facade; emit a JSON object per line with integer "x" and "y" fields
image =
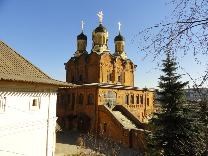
{"x": 103, "y": 99}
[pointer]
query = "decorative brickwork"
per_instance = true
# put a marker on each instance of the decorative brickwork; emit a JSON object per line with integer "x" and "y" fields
{"x": 104, "y": 99}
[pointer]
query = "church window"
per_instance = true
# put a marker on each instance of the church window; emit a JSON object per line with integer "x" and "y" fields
{"x": 105, "y": 127}
{"x": 132, "y": 99}
{"x": 119, "y": 78}
{"x": 35, "y": 103}
{"x": 127, "y": 99}
{"x": 2, "y": 104}
{"x": 90, "y": 99}
{"x": 109, "y": 77}
{"x": 81, "y": 98}
{"x": 80, "y": 78}
{"x": 141, "y": 99}
{"x": 137, "y": 99}
{"x": 147, "y": 101}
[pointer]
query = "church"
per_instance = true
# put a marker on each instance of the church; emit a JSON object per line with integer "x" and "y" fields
{"x": 103, "y": 99}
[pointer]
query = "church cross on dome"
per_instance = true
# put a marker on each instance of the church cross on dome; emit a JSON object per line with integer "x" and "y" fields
{"x": 82, "y": 25}
{"x": 119, "y": 27}
{"x": 100, "y": 16}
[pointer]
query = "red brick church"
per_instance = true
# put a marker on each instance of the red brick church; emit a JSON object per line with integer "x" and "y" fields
{"x": 103, "y": 98}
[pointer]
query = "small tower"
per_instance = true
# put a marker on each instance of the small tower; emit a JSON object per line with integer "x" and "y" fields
{"x": 81, "y": 42}
{"x": 119, "y": 44}
{"x": 100, "y": 37}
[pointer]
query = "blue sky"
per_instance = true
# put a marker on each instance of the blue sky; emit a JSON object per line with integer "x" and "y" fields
{"x": 44, "y": 31}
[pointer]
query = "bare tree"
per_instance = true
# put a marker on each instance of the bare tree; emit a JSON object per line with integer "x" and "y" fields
{"x": 186, "y": 32}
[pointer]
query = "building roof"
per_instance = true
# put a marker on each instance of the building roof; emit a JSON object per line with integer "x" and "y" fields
{"x": 119, "y": 37}
{"x": 100, "y": 28}
{"x": 82, "y": 36}
{"x": 114, "y": 86}
{"x": 13, "y": 67}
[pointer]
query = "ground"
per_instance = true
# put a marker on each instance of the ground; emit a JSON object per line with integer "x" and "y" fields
{"x": 73, "y": 143}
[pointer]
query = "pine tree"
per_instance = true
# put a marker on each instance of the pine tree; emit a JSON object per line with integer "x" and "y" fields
{"x": 174, "y": 130}
{"x": 203, "y": 117}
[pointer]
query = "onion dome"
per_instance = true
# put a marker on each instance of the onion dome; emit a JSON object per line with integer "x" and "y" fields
{"x": 119, "y": 38}
{"x": 100, "y": 28}
{"x": 82, "y": 36}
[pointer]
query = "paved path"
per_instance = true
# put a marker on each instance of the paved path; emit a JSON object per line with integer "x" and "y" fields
{"x": 66, "y": 145}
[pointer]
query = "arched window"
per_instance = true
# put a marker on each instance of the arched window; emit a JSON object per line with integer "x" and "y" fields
{"x": 132, "y": 99}
{"x": 119, "y": 78}
{"x": 81, "y": 99}
{"x": 127, "y": 99}
{"x": 35, "y": 102}
{"x": 90, "y": 100}
{"x": 109, "y": 77}
{"x": 124, "y": 79}
{"x": 137, "y": 99}
{"x": 141, "y": 99}
{"x": 105, "y": 127}
{"x": 147, "y": 101}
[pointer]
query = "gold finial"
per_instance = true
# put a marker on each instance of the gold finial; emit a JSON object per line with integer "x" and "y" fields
{"x": 100, "y": 16}
{"x": 82, "y": 25}
{"x": 119, "y": 26}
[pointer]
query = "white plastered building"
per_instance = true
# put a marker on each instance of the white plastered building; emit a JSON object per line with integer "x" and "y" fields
{"x": 27, "y": 107}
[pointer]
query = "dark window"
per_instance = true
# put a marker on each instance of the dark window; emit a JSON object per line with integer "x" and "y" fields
{"x": 127, "y": 99}
{"x": 81, "y": 97}
{"x": 35, "y": 102}
{"x": 137, "y": 99}
{"x": 105, "y": 127}
{"x": 119, "y": 78}
{"x": 80, "y": 78}
{"x": 90, "y": 99}
{"x": 132, "y": 99}
{"x": 147, "y": 101}
{"x": 141, "y": 99}
{"x": 109, "y": 77}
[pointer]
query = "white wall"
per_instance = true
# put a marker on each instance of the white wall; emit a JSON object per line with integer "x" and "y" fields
{"x": 23, "y": 127}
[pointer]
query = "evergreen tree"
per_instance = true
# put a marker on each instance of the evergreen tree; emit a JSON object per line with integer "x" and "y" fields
{"x": 203, "y": 118}
{"x": 174, "y": 130}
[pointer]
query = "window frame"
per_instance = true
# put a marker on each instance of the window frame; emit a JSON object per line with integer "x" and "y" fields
{"x": 90, "y": 99}
{"x": 132, "y": 99}
{"x": 38, "y": 103}
{"x": 81, "y": 99}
